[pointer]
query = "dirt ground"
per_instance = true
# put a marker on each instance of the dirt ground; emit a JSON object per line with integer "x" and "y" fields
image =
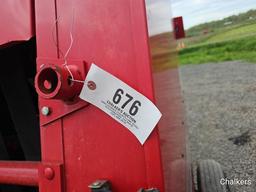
{"x": 220, "y": 103}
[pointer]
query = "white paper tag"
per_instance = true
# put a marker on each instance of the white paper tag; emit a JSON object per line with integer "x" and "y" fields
{"x": 124, "y": 104}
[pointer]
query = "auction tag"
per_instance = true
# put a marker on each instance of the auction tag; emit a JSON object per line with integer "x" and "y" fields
{"x": 124, "y": 104}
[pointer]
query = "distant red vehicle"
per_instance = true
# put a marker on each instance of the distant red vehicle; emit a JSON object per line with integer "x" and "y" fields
{"x": 178, "y": 26}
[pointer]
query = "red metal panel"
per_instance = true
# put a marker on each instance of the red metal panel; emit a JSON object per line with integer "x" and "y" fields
{"x": 51, "y": 135}
{"x": 112, "y": 34}
{"x": 17, "y": 20}
{"x": 46, "y": 29}
{"x": 52, "y": 142}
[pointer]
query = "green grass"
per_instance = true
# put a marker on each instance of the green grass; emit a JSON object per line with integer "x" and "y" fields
{"x": 239, "y": 49}
{"x": 233, "y": 33}
{"x": 236, "y": 43}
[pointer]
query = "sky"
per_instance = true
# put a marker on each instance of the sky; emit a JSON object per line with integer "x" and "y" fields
{"x": 199, "y": 11}
{"x": 193, "y": 11}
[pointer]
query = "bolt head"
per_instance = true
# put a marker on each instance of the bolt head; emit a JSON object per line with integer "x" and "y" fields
{"x": 45, "y": 111}
{"x": 49, "y": 173}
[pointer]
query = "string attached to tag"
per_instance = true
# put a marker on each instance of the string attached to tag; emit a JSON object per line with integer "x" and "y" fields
{"x": 65, "y": 64}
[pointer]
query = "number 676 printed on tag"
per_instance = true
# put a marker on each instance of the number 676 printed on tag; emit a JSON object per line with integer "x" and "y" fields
{"x": 134, "y": 108}
{"x": 124, "y": 104}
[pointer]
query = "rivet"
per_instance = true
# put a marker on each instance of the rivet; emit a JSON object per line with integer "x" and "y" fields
{"x": 49, "y": 173}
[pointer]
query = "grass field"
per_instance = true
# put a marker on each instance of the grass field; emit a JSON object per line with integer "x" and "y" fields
{"x": 233, "y": 33}
{"x": 236, "y": 43}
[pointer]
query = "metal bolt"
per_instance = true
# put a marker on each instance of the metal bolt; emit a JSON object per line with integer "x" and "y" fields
{"x": 49, "y": 173}
{"x": 91, "y": 85}
{"x": 45, "y": 111}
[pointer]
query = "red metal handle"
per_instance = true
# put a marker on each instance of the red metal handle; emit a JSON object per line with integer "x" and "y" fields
{"x": 19, "y": 173}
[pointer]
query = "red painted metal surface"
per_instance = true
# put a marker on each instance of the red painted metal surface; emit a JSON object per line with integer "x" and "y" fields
{"x": 51, "y": 177}
{"x": 91, "y": 144}
{"x": 17, "y": 20}
{"x": 81, "y": 144}
{"x": 178, "y": 26}
{"x": 19, "y": 173}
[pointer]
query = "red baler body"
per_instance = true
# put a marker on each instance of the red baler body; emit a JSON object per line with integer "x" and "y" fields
{"x": 79, "y": 142}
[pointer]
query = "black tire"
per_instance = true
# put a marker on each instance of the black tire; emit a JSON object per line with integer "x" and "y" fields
{"x": 209, "y": 174}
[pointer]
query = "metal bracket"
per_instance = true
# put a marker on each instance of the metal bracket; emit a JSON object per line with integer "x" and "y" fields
{"x": 58, "y": 108}
{"x": 100, "y": 186}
